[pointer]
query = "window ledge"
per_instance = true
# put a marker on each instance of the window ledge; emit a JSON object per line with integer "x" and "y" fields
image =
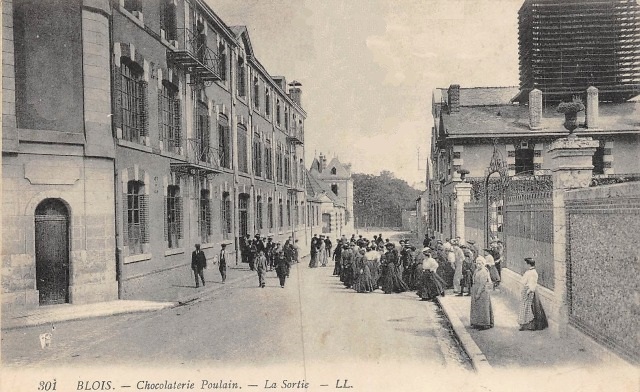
{"x": 207, "y": 245}
{"x": 173, "y": 155}
{"x": 173, "y": 251}
{"x": 137, "y": 258}
{"x": 136, "y": 146}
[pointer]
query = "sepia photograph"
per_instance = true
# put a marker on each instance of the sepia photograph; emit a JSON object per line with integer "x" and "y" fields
{"x": 320, "y": 195}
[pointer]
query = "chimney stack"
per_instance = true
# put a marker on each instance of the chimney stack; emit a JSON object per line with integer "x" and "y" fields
{"x": 535, "y": 109}
{"x": 295, "y": 93}
{"x": 454, "y": 98}
{"x": 592, "y": 107}
{"x": 323, "y": 162}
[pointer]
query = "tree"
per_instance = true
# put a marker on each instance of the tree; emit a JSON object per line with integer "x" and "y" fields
{"x": 379, "y": 200}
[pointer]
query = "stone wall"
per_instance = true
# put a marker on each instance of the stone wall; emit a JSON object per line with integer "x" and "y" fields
{"x": 603, "y": 264}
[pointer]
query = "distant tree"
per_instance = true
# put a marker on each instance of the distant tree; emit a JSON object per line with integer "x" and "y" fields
{"x": 379, "y": 200}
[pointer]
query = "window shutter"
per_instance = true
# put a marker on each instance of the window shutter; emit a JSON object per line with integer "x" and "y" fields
{"x": 143, "y": 110}
{"x": 144, "y": 219}
{"x": 161, "y": 116}
{"x": 117, "y": 97}
{"x": 177, "y": 122}
{"x": 179, "y": 216}
{"x": 166, "y": 219}
{"x": 125, "y": 218}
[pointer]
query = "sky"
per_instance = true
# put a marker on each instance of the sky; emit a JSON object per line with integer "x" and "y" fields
{"x": 368, "y": 67}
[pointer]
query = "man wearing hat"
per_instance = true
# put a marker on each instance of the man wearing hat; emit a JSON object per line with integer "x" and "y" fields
{"x": 268, "y": 252}
{"x": 198, "y": 264}
{"x": 222, "y": 259}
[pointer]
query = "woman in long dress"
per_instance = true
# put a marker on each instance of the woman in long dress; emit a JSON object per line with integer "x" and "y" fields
{"x": 391, "y": 276}
{"x": 491, "y": 265}
{"x": 372, "y": 258}
{"x": 431, "y": 284}
{"x": 481, "y": 312}
{"x": 363, "y": 282}
{"x": 531, "y": 316}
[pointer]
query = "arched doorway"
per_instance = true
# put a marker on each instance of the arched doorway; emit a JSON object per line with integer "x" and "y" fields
{"x": 52, "y": 251}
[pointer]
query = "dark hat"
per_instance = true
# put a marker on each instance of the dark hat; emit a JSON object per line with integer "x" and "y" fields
{"x": 530, "y": 261}
{"x": 390, "y": 245}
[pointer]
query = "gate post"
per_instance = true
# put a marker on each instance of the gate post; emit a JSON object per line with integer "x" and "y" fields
{"x": 462, "y": 191}
{"x": 571, "y": 168}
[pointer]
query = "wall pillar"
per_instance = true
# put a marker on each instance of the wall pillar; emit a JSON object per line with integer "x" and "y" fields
{"x": 462, "y": 191}
{"x": 571, "y": 168}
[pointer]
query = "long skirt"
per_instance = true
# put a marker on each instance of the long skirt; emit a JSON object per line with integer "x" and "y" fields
{"x": 392, "y": 281}
{"x": 481, "y": 312}
{"x": 493, "y": 273}
{"x": 446, "y": 273}
{"x": 374, "y": 267}
{"x": 431, "y": 285}
{"x": 313, "y": 263}
{"x": 336, "y": 268}
{"x": 406, "y": 276}
{"x": 457, "y": 277}
{"x": 531, "y": 316}
{"x": 347, "y": 275}
{"x": 363, "y": 282}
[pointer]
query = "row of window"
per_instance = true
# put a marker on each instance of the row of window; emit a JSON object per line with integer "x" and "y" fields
{"x": 132, "y": 120}
{"x": 196, "y": 41}
{"x": 136, "y": 225}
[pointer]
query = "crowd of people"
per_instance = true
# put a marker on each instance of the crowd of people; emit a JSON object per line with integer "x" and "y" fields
{"x": 367, "y": 265}
{"x": 263, "y": 254}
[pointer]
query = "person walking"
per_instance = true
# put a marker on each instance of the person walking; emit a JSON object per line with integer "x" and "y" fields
{"x": 222, "y": 261}
{"x": 281, "y": 266}
{"x": 481, "y": 313}
{"x": 198, "y": 264}
{"x": 313, "y": 262}
{"x": 431, "y": 284}
{"x": 531, "y": 316}
{"x": 261, "y": 267}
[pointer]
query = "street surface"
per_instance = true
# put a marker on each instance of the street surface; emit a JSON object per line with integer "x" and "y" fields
{"x": 314, "y": 320}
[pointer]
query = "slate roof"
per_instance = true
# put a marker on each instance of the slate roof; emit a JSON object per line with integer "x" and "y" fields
{"x": 479, "y": 96}
{"x": 317, "y": 189}
{"x": 343, "y": 172}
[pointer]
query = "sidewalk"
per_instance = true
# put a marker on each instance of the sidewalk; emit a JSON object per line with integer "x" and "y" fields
{"x": 504, "y": 346}
{"x": 141, "y": 295}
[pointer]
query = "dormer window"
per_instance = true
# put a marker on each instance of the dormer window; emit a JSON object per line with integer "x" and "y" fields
{"x": 334, "y": 171}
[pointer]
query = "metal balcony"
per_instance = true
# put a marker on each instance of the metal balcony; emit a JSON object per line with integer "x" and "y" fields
{"x": 200, "y": 158}
{"x": 191, "y": 51}
{"x": 296, "y": 136}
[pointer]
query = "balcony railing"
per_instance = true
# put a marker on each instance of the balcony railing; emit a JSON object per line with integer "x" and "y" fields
{"x": 191, "y": 52}
{"x": 200, "y": 157}
{"x": 296, "y": 136}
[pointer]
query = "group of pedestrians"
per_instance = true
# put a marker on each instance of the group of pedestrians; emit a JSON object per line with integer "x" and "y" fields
{"x": 264, "y": 255}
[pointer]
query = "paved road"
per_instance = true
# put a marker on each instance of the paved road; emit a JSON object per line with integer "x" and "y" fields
{"x": 312, "y": 323}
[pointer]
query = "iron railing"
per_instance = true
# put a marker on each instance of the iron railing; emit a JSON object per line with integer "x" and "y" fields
{"x": 201, "y": 153}
{"x": 608, "y": 179}
{"x": 192, "y": 52}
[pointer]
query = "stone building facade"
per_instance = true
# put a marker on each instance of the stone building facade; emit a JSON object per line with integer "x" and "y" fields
{"x": 150, "y": 127}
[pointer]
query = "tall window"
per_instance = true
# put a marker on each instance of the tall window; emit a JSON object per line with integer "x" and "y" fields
{"x": 133, "y": 93}
{"x": 280, "y": 214}
{"x": 287, "y": 169}
{"x": 524, "y": 158}
{"x": 334, "y": 189}
{"x": 173, "y": 215}
{"x": 202, "y": 143}
{"x": 170, "y": 117}
{"x": 289, "y": 213}
{"x": 168, "y": 19}
{"x": 257, "y": 155}
{"x": 278, "y": 113}
{"x": 205, "y": 216}
{"x": 259, "y": 222}
{"x": 296, "y": 213}
{"x": 268, "y": 159}
{"x": 136, "y": 217}
{"x": 243, "y": 165}
{"x": 241, "y": 74}
{"x": 225, "y": 214}
{"x": 279, "y": 164}
{"x": 270, "y": 212}
{"x": 294, "y": 169}
{"x": 243, "y": 214}
{"x": 302, "y": 213}
{"x": 222, "y": 61}
{"x": 286, "y": 118}
{"x": 256, "y": 93}
{"x": 224, "y": 142}
{"x": 267, "y": 101}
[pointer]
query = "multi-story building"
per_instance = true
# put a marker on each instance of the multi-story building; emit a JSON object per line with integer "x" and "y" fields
{"x": 146, "y": 127}
{"x": 565, "y": 46}
{"x": 472, "y": 125}
{"x": 334, "y": 178}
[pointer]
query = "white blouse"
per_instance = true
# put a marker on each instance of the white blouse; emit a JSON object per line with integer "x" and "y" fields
{"x": 530, "y": 279}
{"x": 429, "y": 263}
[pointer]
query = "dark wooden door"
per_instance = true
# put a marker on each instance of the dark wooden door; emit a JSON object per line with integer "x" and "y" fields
{"x": 243, "y": 212}
{"x": 52, "y": 252}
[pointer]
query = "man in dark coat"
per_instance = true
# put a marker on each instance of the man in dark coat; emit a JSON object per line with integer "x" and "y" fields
{"x": 198, "y": 264}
